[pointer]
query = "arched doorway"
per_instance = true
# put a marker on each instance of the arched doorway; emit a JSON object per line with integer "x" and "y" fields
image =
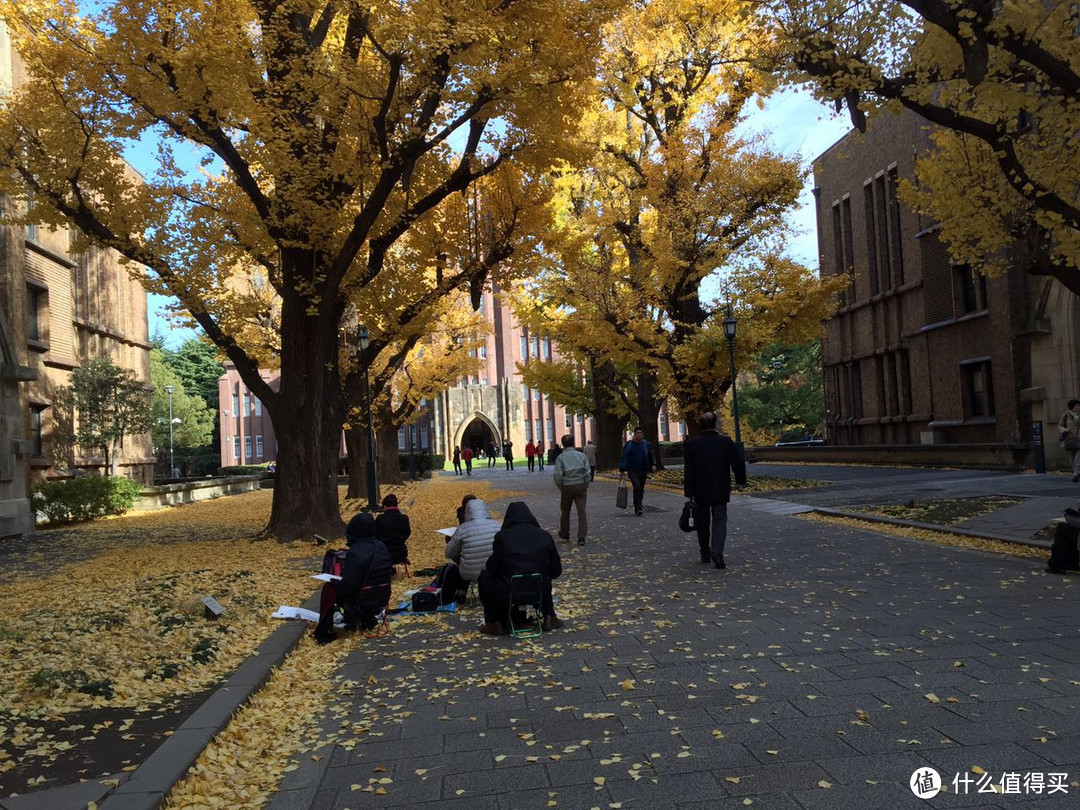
{"x": 478, "y": 433}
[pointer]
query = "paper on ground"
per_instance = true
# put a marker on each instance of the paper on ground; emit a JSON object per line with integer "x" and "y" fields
{"x": 448, "y": 532}
{"x": 286, "y": 612}
{"x": 325, "y": 577}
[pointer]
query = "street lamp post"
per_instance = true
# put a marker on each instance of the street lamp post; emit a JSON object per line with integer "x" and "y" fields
{"x": 172, "y": 466}
{"x": 777, "y": 365}
{"x": 372, "y": 483}
{"x": 729, "y": 331}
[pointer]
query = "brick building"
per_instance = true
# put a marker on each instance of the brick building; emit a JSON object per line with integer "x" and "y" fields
{"x": 57, "y": 310}
{"x": 488, "y": 407}
{"x": 923, "y": 350}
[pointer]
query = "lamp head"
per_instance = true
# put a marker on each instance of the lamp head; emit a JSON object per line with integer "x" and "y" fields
{"x": 169, "y": 389}
{"x": 729, "y": 327}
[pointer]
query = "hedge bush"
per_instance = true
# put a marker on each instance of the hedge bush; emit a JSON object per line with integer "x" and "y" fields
{"x": 85, "y": 498}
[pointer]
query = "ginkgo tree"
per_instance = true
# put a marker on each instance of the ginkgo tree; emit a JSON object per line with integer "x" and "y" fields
{"x": 1000, "y": 82}
{"x": 674, "y": 194}
{"x": 326, "y": 131}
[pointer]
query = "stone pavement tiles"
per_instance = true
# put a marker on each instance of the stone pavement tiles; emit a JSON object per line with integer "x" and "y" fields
{"x": 820, "y": 670}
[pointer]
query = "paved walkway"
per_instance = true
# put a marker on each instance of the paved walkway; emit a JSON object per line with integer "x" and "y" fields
{"x": 819, "y": 671}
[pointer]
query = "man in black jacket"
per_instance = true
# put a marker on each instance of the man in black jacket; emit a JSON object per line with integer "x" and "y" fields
{"x": 520, "y": 547}
{"x": 393, "y": 529}
{"x": 367, "y": 566}
{"x": 709, "y": 461}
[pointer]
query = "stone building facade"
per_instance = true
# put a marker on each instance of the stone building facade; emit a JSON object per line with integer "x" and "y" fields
{"x": 923, "y": 350}
{"x": 57, "y": 310}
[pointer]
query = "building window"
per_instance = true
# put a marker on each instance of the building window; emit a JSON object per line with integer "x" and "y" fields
{"x": 550, "y": 429}
{"x": 235, "y": 404}
{"x": 972, "y": 285}
{"x": 569, "y": 421}
{"x": 33, "y": 231}
{"x": 424, "y": 444}
{"x": 905, "y": 383}
{"x": 247, "y": 403}
{"x": 536, "y": 347}
{"x": 536, "y": 394}
{"x": 524, "y": 347}
{"x": 525, "y": 393}
{"x": 528, "y": 431}
{"x": 247, "y": 448}
{"x": 236, "y": 448}
{"x": 882, "y": 216}
{"x": 34, "y": 306}
{"x": 978, "y": 387}
{"x": 483, "y": 352}
{"x": 401, "y": 443}
{"x": 849, "y": 248}
{"x": 871, "y": 237}
{"x": 37, "y": 430}
{"x": 258, "y": 445}
{"x": 483, "y": 379}
{"x": 539, "y": 434}
{"x": 547, "y": 348}
{"x": 682, "y": 429}
{"x": 258, "y": 406}
{"x": 894, "y": 228}
{"x": 663, "y": 426}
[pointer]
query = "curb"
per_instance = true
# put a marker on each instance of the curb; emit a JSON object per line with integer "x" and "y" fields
{"x": 929, "y": 527}
{"x": 147, "y": 786}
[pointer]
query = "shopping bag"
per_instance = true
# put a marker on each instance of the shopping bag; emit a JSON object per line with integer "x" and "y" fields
{"x": 621, "y": 494}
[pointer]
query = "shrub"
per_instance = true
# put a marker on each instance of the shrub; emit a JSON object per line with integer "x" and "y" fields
{"x": 434, "y": 461}
{"x": 244, "y": 469}
{"x": 85, "y": 498}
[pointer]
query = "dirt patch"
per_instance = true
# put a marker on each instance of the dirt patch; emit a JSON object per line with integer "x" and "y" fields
{"x": 941, "y": 512}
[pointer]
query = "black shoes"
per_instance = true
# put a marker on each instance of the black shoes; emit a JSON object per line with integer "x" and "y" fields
{"x": 581, "y": 541}
{"x": 639, "y": 512}
{"x": 706, "y": 557}
{"x": 324, "y": 637}
{"x": 718, "y": 561}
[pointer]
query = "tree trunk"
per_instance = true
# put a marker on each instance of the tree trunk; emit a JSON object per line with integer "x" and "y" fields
{"x": 609, "y": 423}
{"x": 308, "y": 413}
{"x": 386, "y": 442}
{"x": 356, "y": 452}
{"x": 649, "y": 411}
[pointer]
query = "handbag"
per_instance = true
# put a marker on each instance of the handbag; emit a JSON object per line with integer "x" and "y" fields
{"x": 621, "y": 495}
{"x": 1071, "y": 443}
{"x": 686, "y": 518}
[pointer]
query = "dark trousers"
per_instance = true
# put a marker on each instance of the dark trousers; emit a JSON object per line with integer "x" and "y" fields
{"x": 457, "y": 468}
{"x": 495, "y": 597}
{"x": 711, "y": 524}
{"x": 540, "y": 461}
{"x": 492, "y": 460}
{"x": 468, "y": 467}
{"x": 573, "y": 495}
{"x": 532, "y": 463}
{"x": 592, "y": 473}
{"x": 509, "y": 462}
{"x": 637, "y": 481}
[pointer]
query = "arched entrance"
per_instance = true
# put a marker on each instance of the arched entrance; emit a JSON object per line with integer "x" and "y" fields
{"x": 478, "y": 433}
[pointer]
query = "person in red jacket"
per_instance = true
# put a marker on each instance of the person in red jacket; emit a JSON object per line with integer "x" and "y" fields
{"x": 466, "y": 456}
{"x": 530, "y": 455}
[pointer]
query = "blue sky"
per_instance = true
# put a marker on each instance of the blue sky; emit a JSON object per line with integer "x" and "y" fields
{"x": 792, "y": 121}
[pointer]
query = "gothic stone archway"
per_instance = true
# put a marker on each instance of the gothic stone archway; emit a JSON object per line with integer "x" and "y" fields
{"x": 477, "y": 432}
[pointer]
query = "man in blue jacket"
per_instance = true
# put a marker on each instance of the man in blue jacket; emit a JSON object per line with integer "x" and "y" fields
{"x": 637, "y": 461}
{"x": 708, "y": 463}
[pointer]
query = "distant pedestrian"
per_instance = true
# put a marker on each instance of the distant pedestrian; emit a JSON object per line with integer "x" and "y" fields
{"x": 508, "y": 454}
{"x": 530, "y": 455}
{"x": 457, "y": 461}
{"x": 540, "y": 455}
{"x": 467, "y": 457}
{"x": 572, "y": 478}
{"x": 709, "y": 461}
{"x": 637, "y": 461}
{"x": 1070, "y": 435}
{"x": 493, "y": 454}
{"x": 590, "y": 453}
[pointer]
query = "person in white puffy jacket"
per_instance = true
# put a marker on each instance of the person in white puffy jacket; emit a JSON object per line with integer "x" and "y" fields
{"x": 470, "y": 546}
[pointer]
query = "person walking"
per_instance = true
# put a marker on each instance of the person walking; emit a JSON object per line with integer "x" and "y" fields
{"x": 1070, "y": 435}
{"x": 530, "y": 455}
{"x": 508, "y": 454}
{"x": 710, "y": 459}
{"x": 572, "y": 478}
{"x": 457, "y": 461}
{"x": 637, "y": 461}
{"x": 590, "y": 453}
{"x": 493, "y": 454}
{"x": 540, "y": 455}
{"x": 467, "y": 456}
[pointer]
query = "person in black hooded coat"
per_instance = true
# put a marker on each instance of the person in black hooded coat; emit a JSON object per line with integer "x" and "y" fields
{"x": 520, "y": 547}
{"x": 367, "y": 563}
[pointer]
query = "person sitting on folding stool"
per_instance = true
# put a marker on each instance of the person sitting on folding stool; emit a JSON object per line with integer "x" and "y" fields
{"x": 367, "y": 566}
{"x": 520, "y": 547}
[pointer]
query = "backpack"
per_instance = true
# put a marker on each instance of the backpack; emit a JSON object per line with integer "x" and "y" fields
{"x": 1064, "y": 554}
{"x": 333, "y": 560}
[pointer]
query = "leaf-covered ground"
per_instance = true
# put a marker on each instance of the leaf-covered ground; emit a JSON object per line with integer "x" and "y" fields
{"x": 102, "y": 633}
{"x": 942, "y": 511}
